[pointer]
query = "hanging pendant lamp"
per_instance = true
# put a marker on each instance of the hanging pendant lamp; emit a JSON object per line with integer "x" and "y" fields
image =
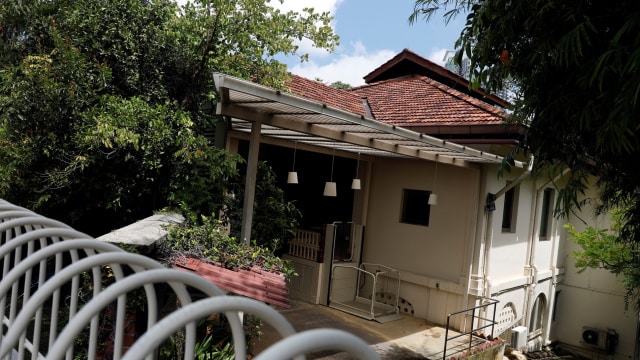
{"x": 292, "y": 177}
{"x": 330, "y": 186}
{"x": 433, "y": 197}
{"x": 355, "y": 184}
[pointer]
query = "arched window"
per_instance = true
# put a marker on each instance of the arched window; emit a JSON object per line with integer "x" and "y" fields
{"x": 536, "y": 319}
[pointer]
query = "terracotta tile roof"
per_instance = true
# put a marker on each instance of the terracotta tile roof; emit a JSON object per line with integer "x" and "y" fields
{"x": 420, "y": 101}
{"x": 410, "y": 101}
{"x": 409, "y": 63}
{"x": 268, "y": 287}
{"x": 318, "y": 91}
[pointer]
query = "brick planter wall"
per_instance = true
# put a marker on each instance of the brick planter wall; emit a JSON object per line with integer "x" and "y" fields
{"x": 490, "y": 350}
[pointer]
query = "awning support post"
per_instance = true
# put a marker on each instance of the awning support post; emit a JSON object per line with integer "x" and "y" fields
{"x": 250, "y": 183}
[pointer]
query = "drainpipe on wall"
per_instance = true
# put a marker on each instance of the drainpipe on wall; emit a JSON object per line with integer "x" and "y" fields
{"x": 490, "y": 207}
{"x": 554, "y": 287}
{"x": 474, "y": 263}
{"x": 488, "y": 240}
{"x": 554, "y": 283}
{"x": 531, "y": 264}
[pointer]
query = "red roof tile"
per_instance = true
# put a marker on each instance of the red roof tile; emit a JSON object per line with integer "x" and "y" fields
{"x": 409, "y": 63}
{"x": 420, "y": 101}
{"x": 318, "y": 91}
{"x": 410, "y": 101}
{"x": 268, "y": 287}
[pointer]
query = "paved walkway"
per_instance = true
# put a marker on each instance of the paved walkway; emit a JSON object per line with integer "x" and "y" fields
{"x": 409, "y": 338}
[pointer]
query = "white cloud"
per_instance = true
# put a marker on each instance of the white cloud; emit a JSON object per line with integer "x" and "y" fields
{"x": 348, "y": 68}
{"x": 298, "y": 5}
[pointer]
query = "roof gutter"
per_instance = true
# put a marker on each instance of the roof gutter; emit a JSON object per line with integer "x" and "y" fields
{"x": 510, "y": 185}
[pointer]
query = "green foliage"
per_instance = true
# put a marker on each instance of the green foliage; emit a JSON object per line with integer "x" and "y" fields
{"x": 600, "y": 249}
{"x": 224, "y": 352}
{"x": 575, "y": 68}
{"x": 209, "y": 240}
{"x": 215, "y": 343}
{"x": 100, "y": 101}
{"x": 202, "y": 347}
{"x": 604, "y": 249}
{"x": 274, "y": 217}
{"x": 340, "y": 85}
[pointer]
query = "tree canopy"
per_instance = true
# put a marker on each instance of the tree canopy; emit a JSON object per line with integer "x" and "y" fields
{"x": 576, "y": 68}
{"x": 104, "y": 103}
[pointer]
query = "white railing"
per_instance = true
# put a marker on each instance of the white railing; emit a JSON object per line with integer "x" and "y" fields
{"x": 306, "y": 245}
{"x": 59, "y": 286}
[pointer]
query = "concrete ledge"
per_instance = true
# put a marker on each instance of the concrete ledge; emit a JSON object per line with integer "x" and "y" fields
{"x": 146, "y": 232}
{"x": 432, "y": 283}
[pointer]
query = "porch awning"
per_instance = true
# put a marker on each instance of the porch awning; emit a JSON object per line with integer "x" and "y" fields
{"x": 292, "y": 118}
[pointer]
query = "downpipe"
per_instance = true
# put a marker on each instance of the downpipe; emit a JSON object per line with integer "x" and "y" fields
{"x": 490, "y": 207}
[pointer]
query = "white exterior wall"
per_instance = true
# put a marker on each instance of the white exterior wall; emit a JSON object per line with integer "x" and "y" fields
{"x": 434, "y": 261}
{"x": 509, "y": 250}
{"x": 594, "y": 298}
{"x": 521, "y": 267}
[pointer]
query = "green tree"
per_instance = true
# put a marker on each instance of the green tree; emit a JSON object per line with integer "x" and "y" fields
{"x": 274, "y": 217}
{"x": 602, "y": 249}
{"x": 340, "y": 85}
{"x": 103, "y": 103}
{"x": 575, "y": 68}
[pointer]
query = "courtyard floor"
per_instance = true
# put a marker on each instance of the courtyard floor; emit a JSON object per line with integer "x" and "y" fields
{"x": 408, "y": 338}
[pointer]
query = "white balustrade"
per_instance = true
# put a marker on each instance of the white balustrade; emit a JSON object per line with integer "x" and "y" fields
{"x": 306, "y": 245}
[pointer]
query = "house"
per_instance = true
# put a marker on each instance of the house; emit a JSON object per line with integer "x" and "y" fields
{"x": 413, "y": 131}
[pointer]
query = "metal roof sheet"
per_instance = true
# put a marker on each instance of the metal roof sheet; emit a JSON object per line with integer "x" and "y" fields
{"x": 289, "y": 117}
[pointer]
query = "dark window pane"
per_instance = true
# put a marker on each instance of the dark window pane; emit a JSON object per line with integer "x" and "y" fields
{"x": 415, "y": 207}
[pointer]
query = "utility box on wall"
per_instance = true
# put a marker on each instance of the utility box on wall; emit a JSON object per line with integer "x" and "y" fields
{"x": 519, "y": 337}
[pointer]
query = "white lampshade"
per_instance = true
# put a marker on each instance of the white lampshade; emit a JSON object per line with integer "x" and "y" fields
{"x": 292, "y": 178}
{"x": 330, "y": 189}
{"x": 355, "y": 184}
{"x": 433, "y": 199}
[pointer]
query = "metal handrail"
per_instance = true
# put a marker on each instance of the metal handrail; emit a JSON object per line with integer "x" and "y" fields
{"x": 491, "y": 324}
{"x": 40, "y": 255}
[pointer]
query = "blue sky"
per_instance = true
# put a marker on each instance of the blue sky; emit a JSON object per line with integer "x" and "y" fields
{"x": 371, "y": 32}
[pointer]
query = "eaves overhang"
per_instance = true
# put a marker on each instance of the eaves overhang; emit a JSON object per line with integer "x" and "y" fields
{"x": 292, "y": 118}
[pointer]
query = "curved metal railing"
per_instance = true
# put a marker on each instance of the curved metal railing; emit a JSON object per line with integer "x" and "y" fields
{"x": 59, "y": 285}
